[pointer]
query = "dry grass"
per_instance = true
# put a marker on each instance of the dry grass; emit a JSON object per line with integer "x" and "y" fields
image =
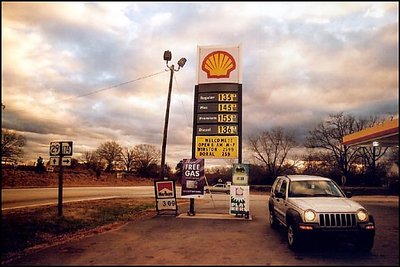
{"x": 21, "y": 178}
{"x": 27, "y": 230}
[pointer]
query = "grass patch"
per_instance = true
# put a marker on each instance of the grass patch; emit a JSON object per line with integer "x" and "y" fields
{"x": 25, "y": 228}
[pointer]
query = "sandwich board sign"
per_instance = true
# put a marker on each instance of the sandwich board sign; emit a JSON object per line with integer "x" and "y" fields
{"x": 165, "y": 196}
{"x": 193, "y": 178}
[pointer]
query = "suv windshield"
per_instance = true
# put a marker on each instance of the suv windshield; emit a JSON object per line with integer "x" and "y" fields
{"x": 314, "y": 189}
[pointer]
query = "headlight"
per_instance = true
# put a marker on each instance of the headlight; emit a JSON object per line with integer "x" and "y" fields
{"x": 309, "y": 215}
{"x": 362, "y": 215}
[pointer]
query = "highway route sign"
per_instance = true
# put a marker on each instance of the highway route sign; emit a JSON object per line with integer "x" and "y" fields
{"x": 55, "y": 149}
{"x": 60, "y": 149}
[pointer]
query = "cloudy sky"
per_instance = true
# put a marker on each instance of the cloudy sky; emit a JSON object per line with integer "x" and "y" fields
{"x": 94, "y": 72}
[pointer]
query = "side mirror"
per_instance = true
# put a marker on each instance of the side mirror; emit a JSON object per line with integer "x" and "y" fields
{"x": 279, "y": 195}
{"x": 349, "y": 194}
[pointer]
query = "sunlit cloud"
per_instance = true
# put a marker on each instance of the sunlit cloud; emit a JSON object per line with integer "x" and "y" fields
{"x": 94, "y": 72}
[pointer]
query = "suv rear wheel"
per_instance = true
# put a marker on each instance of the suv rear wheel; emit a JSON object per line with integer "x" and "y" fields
{"x": 272, "y": 220}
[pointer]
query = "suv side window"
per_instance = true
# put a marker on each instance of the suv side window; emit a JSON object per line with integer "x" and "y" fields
{"x": 282, "y": 189}
{"x": 277, "y": 185}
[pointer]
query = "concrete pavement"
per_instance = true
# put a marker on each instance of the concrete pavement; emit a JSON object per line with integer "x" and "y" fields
{"x": 170, "y": 240}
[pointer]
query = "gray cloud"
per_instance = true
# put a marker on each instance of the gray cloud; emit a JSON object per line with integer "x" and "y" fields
{"x": 299, "y": 63}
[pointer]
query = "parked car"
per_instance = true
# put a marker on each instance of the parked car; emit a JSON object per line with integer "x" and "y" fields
{"x": 312, "y": 206}
{"x": 218, "y": 188}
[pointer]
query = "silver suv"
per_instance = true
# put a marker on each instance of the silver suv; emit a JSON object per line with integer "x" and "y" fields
{"x": 313, "y": 206}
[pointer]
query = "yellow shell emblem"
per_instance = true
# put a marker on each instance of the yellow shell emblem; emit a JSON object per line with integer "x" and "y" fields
{"x": 218, "y": 64}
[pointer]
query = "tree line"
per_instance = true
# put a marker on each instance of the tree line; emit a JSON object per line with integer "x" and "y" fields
{"x": 142, "y": 160}
{"x": 272, "y": 154}
{"x": 325, "y": 154}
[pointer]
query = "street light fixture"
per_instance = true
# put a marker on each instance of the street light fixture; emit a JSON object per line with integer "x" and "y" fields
{"x": 181, "y": 63}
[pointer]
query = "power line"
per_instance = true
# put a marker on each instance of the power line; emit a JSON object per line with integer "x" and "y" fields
{"x": 110, "y": 87}
{"x": 183, "y": 105}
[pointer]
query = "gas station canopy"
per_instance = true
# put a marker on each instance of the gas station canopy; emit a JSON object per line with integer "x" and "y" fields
{"x": 385, "y": 134}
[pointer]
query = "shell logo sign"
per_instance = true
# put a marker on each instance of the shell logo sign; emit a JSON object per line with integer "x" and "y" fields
{"x": 218, "y": 64}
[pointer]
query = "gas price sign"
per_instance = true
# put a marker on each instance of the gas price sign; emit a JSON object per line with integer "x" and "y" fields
{"x": 217, "y": 129}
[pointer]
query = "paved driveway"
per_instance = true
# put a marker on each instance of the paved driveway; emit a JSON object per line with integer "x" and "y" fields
{"x": 170, "y": 240}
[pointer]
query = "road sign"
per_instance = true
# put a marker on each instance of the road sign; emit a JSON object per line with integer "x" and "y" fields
{"x": 54, "y": 161}
{"x": 55, "y": 149}
{"x": 59, "y": 149}
{"x": 66, "y": 161}
{"x": 66, "y": 148}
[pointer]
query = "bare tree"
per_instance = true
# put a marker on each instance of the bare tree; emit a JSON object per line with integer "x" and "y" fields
{"x": 11, "y": 145}
{"x": 272, "y": 148}
{"x": 318, "y": 162}
{"x": 371, "y": 154}
{"x": 146, "y": 158}
{"x": 111, "y": 152}
{"x": 328, "y": 135}
{"x": 91, "y": 160}
{"x": 128, "y": 158}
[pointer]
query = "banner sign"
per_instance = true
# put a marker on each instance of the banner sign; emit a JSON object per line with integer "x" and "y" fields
{"x": 240, "y": 174}
{"x": 165, "y": 195}
{"x": 193, "y": 179}
{"x": 217, "y": 147}
{"x": 240, "y": 200}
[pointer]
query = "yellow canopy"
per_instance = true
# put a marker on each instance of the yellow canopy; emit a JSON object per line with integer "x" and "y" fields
{"x": 385, "y": 134}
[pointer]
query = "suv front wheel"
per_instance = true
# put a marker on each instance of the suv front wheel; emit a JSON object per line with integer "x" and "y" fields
{"x": 293, "y": 239}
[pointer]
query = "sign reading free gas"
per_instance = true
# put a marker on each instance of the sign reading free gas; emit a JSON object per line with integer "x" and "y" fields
{"x": 223, "y": 147}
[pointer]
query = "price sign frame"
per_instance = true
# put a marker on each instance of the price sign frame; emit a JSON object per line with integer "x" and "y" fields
{"x": 165, "y": 194}
{"x": 217, "y": 112}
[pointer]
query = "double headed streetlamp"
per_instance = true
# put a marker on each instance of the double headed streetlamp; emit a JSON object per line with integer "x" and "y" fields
{"x": 181, "y": 63}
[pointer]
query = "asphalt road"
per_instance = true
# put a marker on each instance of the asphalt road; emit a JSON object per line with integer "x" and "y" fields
{"x": 25, "y": 197}
{"x": 190, "y": 240}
